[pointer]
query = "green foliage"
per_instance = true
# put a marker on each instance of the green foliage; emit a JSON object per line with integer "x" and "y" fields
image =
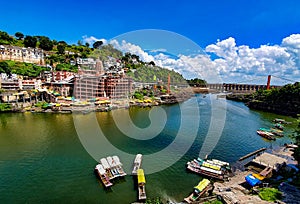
{"x": 97, "y": 44}
{"x": 30, "y": 41}
{"x": 66, "y": 67}
{"x": 61, "y": 49}
{"x": 5, "y": 39}
{"x": 21, "y": 68}
{"x": 45, "y": 43}
{"x": 105, "y": 51}
{"x": 4, "y": 67}
{"x": 4, "y": 107}
{"x": 138, "y": 95}
{"x": 287, "y": 93}
{"x": 145, "y": 73}
{"x": 196, "y": 82}
{"x": 41, "y": 104}
{"x": 270, "y": 194}
{"x": 19, "y": 35}
{"x": 213, "y": 202}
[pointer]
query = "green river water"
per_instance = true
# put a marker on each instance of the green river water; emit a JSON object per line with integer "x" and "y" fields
{"x": 42, "y": 159}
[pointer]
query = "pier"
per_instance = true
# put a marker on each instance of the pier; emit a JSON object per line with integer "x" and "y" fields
{"x": 252, "y": 154}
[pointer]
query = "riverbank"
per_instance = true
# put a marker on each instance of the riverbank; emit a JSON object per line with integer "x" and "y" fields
{"x": 96, "y": 105}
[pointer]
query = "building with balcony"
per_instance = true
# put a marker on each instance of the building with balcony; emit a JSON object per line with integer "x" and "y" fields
{"x": 22, "y": 54}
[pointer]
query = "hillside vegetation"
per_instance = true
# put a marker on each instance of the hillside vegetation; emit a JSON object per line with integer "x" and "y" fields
{"x": 284, "y": 100}
{"x": 60, "y": 54}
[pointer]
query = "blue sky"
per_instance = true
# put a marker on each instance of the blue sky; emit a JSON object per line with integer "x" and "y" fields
{"x": 250, "y": 23}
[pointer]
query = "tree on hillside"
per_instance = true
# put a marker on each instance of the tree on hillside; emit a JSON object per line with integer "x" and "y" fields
{"x": 19, "y": 35}
{"x": 30, "y": 41}
{"x": 87, "y": 44}
{"x": 61, "y": 49}
{"x": 152, "y": 63}
{"x": 97, "y": 44}
{"x": 4, "y": 68}
{"x": 45, "y": 43}
{"x": 5, "y": 38}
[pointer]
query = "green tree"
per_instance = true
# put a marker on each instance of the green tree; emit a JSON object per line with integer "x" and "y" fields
{"x": 61, "y": 49}
{"x": 45, "y": 43}
{"x": 19, "y": 35}
{"x": 4, "y": 36}
{"x": 30, "y": 41}
{"x": 4, "y": 67}
{"x": 97, "y": 44}
{"x": 87, "y": 44}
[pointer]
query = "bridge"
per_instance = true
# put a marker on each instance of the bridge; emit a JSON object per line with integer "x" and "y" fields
{"x": 238, "y": 87}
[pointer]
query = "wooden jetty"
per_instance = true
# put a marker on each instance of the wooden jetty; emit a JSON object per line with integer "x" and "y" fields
{"x": 252, "y": 154}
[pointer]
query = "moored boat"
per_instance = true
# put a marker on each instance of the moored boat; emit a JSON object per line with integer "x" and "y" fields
{"x": 119, "y": 165}
{"x": 137, "y": 163}
{"x": 107, "y": 168}
{"x": 103, "y": 175}
{"x": 141, "y": 184}
{"x": 202, "y": 187}
{"x": 266, "y": 135}
{"x": 279, "y": 126}
{"x": 113, "y": 167}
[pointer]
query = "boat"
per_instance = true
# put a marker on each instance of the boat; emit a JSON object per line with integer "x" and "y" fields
{"x": 137, "y": 163}
{"x": 277, "y": 132}
{"x": 266, "y": 135}
{"x": 107, "y": 168}
{"x": 141, "y": 184}
{"x": 274, "y": 131}
{"x": 202, "y": 187}
{"x": 281, "y": 121}
{"x": 113, "y": 167}
{"x": 103, "y": 175}
{"x": 212, "y": 168}
{"x": 206, "y": 172}
{"x": 221, "y": 163}
{"x": 119, "y": 165}
{"x": 279, "y": 126}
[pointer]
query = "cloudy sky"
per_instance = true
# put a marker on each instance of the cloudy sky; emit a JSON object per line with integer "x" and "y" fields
{"x": 229, "y": 41}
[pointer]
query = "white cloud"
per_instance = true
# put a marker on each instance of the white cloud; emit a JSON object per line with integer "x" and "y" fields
{"x": 92, "y": 39}
{"x": 133, "y": 49}
{"x": 241, "y": 63}
{"x": 231, "y": 62}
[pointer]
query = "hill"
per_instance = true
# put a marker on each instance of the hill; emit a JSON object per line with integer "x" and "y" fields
{"x": 62, "y": 56}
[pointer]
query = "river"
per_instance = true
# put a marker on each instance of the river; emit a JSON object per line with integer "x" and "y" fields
{"x": 43, "y": 156}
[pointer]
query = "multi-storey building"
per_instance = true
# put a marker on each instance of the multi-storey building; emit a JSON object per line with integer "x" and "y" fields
{"x": 21, "y": 54}
{"x": 92, "y": 83}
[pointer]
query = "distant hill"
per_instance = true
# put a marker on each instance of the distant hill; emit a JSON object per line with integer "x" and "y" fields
{"x": 60, "y": 54}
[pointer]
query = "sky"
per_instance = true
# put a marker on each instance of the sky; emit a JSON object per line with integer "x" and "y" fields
{"x": 228, "y": 41}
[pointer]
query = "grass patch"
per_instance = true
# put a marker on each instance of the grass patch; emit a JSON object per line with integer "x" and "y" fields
{"x": 269, "y": 194}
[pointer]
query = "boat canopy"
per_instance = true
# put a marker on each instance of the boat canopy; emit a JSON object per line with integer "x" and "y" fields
{"x": 104, "y": 163}
{"x": 252, "y": 180}
{"x": 211, "y": 170}
{"x": 117, "y": 161}
{"x": 202, "y": 185}
{"x": 141, "y": 176}
{"x": 138, "y": 158}
{"x": 222, "y": 163}
{"x": 100, "y": 168}
{"x": 111, "y": 162}
{"x": 259, "y": 177}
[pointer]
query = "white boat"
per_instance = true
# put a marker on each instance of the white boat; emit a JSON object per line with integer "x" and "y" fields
{"x": 107, "y": 168}
{"x": 119, "y": 165}
{"x": 137, "y": 163}
{"x": 103, "y": 175}
{"x": 113, "y": 166}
